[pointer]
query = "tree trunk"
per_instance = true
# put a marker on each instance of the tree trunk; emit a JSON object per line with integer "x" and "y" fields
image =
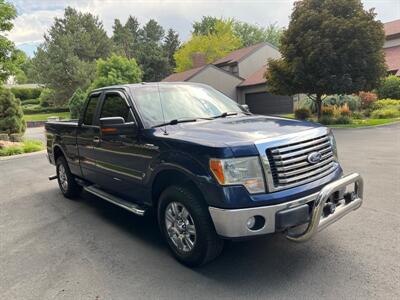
{"x": 318, "y": 103}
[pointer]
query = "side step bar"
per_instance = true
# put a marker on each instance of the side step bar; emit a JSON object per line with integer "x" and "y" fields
{"x": 136, "y": 209}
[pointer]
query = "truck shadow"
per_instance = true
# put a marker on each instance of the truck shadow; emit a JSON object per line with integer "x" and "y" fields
{"x": 270, "y": 261}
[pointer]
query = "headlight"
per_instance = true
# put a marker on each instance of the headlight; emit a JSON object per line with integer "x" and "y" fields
{"x": 246, "y": 171}
{"x": 333, "y": 145}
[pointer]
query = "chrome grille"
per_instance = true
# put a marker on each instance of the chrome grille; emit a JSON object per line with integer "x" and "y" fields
{"x": 289, "y": 165}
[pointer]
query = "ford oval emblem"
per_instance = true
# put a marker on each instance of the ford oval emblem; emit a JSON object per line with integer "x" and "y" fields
{"x": 314, "y": 157}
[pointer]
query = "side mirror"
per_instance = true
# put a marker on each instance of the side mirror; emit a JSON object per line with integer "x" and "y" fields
{"x": 245, "y": 107}
{"x": 117, "y": 126}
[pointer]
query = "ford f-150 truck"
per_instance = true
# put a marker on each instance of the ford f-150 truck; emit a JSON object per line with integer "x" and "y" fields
{"x": 209, "y": 169}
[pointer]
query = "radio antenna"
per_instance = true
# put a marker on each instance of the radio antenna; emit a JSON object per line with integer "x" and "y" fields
{"x": 162, "y": 108}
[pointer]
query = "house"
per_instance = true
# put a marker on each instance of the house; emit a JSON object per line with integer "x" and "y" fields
{"x": 240, "y": 75}
{"x": 392, "y": 46}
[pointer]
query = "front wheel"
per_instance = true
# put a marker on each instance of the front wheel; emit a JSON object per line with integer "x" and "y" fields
{"x": 187, "y": 226}
{"x": 66, "y": 180}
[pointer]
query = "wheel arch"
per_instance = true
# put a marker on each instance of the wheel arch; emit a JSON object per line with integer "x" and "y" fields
{"x": 168, "y": 177}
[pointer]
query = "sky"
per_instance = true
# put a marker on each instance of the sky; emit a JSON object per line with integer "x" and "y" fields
{"x": 35, "y": 17}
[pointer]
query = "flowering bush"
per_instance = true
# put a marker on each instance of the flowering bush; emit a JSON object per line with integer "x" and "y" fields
{"x": 367, "y": 98}
{"x": 345, "y": 110}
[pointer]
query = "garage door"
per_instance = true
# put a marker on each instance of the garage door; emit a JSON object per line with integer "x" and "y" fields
{"x": 268, "y": 104}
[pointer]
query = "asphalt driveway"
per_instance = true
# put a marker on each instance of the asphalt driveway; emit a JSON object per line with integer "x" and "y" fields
{"x": 51, "y": 247}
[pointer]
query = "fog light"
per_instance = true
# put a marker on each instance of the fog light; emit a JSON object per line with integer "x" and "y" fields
{"x": 251, "y": 222}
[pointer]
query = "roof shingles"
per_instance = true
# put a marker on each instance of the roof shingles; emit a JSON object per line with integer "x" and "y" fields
{"x": 237, "y": 55}
{"x": 392, "y": 28}
{"x": 183, "y": 76}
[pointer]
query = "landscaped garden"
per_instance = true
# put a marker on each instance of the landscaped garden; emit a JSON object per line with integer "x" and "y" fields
{"x": 365, "y": 109}
{"x": 12, "y": 127}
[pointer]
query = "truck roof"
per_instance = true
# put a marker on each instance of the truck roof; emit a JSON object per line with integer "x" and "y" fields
{"x": 142, "y": 84}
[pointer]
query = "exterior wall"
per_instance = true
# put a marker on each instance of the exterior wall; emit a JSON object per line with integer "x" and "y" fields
{"x": 392, "y": 43}
{"x": 219, "y": 80}
{"x": 256, "y": 60}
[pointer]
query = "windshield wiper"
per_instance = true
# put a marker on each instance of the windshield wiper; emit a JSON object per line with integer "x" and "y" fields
{"x": 176, "y": 121}
{"x": 225, "y": 114}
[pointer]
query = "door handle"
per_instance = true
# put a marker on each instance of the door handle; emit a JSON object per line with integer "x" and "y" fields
{"x": 96, "y": 139}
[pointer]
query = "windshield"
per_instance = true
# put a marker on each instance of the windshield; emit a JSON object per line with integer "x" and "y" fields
{"x": 181, "y": 101}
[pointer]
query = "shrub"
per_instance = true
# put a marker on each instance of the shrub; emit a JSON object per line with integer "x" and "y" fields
{"x": 26, "y": 93}
{"x": 326, "y": 120}
{"x": 385, "y": 103}
{"x": 345, "y": 110}
{"x": 327, "y": 111}
{"x": 385, "y": 113}
{"x": 390, "y": 88}
{"x": 367, "y": 98}
{"x": 357, "y": 115}
{"x": 307, "y": 103}
{"x": 302, "y": 113}
{"x": 30, "y": 101}
{"x": 76, "y": 103}
{"x": 343, "y": 120}
{"x": 11, "y": 115}
{"x": 352, "y": 101}
{"x": 47, "y": 98}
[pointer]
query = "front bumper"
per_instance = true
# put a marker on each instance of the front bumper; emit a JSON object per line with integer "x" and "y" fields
{"x": 231, "y": 223}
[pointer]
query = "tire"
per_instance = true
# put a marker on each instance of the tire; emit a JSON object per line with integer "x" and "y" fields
{"x": 192, "y": 248}
{"x": 66, "y": 181}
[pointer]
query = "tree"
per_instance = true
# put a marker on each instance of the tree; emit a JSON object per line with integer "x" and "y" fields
{"x": 11, "y": 115}
{"x": 206, "y": 26}
{"x": 330, "y": 47}
{"x": 116, "y": 70}
{"x": 389, "y": 88}
{"x": 170, "y": 46}
{"x": 251, "y": 34}
{"x": 122, "y": 39}
{"x": 213, "y": 45}
{"x": 66, "y": 60}
{"x": 76, "y": 103}
{"x": 7, "y": 59}
{"x": 150, "y": 56}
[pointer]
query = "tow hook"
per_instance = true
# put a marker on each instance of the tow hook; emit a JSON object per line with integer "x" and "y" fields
{"x": 329, "y": 208}
{"x": 348, "y": 197}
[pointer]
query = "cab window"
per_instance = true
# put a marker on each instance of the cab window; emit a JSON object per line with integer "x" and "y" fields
{"x": 90, "y": 110}
{"x": 115, "y": 106}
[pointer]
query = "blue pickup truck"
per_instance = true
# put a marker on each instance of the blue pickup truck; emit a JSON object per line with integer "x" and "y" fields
{"x": 207, "y": 168}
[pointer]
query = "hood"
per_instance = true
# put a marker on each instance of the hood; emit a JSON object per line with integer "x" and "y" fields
{"x": 236, "y": 130}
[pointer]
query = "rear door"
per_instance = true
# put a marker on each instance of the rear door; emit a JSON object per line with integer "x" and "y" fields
{"x": 88, "y": 136}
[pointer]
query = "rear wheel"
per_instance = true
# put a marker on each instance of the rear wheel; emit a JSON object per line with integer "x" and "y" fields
{"x": 66, "y": 181}
{"x": 187, "y": 226}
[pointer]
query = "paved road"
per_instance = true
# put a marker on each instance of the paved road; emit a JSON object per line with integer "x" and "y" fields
{"x": 56, "y": 248}
{"x": 36, "y": 133}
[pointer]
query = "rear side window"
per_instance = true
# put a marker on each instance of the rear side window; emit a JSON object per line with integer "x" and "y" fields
{"x": 115, "y": 106}
{"x": 90, "y": 110}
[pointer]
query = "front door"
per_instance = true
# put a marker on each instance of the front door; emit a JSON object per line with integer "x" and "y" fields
{"x": 119, "y": 164}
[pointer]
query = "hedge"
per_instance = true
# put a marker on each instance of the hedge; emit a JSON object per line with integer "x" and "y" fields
{"x": 44, "y": 110}
{"x": 26, "y": 93}
{"x": 30, "y": 101}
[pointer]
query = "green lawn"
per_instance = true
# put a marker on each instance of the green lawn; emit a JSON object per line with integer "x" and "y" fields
{"x": 43, "y": 117}
{"x": 366, "y": 123}
{"x": 356, "y": 123}
{"x": 26, "y": 146}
